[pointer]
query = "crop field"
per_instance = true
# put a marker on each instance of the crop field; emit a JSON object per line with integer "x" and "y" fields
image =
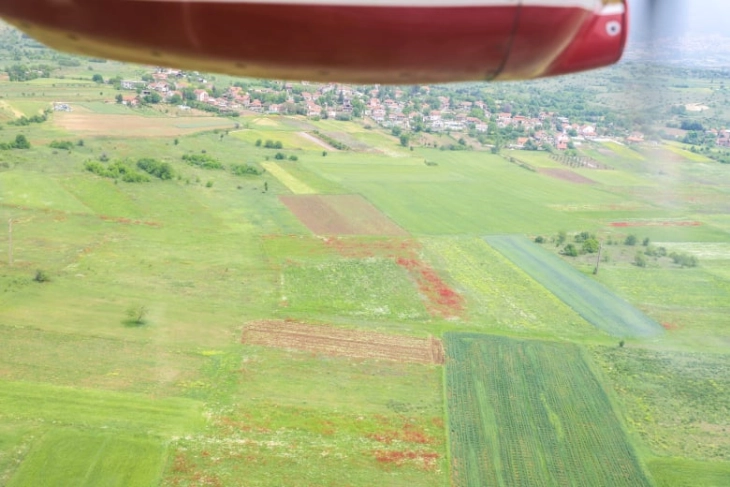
{"x": 289, "y": 140}
{"x": 97, "y": 408}
{"x": 365, "y": 288}
{"x": 676, "y": 401}
{"x": 285, "y": 177}
{"x": 691, "y": 304}
{"x": 341, "y": 215}
{"x": 594, "y": 302}
{"x": 67, "y": 457}
{"x": 93, "y": 124}
{"x": 354, "y": 262}
{"x": 670, "y": 472}
{"x": 531, "y": 413}
{"x": 500, "y": 296}
{"x": 328, "y": 340}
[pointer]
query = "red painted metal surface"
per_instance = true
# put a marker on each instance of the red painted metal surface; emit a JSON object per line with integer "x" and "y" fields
{"x": 356, "y": 42}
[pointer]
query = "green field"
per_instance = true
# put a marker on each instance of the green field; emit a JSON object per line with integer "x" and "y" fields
{"x": 502, "y": 298}
{"x": 675, "y": 401}
{"x": 594, "y": 302}
{"x": 65, "y": 457}
{"x": 687, "y": 473}
{"x": 532, "y": 413}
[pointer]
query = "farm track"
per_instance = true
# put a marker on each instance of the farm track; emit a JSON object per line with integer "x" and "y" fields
{"x": 529, "y": 413}
{"x": 593, "y": 301}
{"x": 316, "y": 140}
{"x": 341, "y": 342}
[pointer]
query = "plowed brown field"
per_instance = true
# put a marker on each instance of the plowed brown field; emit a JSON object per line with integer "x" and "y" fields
{"x": 566, "y": 175}
{"x": 97, "y": 124}
{"x": 328, "y": 340}
{"x": 341, "y": 215}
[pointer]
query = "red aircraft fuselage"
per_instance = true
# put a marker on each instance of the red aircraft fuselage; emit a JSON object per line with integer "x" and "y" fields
{"x": 366, "y": 41}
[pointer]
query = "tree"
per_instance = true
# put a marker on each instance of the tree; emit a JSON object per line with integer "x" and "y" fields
{"x": 266, "y": 185}
{"x": 640, "y": 259}
{"x": 630, "y": 240}
{"x": 562, "y": 237}
{"x": 137, "y": 314}
{"x": 570, "y": 250}
{"x": 21, "y": 142}
{"x": 41, "y": 276}
{"x": 405, "y": 139}
{"x": 153, "y": 98}
{"x": 258, "y": 142}
{"x": 591, "y": 246}
{"x": 97, "y": 78}
{"x": 175, "y": 99}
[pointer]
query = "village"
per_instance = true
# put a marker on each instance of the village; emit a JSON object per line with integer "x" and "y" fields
{"x": 393, "y": 108}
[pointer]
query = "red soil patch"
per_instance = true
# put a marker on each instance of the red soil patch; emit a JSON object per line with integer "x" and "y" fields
{"x": 399, "y": 458}
{"x": 409, "y": 434}
{"x": 657, "y": 224}
{"x": 128, "y": 221}
{"x": 341, "y": 342}
{"x": 341, "y": 215}
{"x": 566, "y": 175}
{"x": 670, "y": 326}
{"x": 440, "y": 299}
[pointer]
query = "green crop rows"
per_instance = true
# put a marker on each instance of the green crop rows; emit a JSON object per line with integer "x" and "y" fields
{"x": 531, "y": 413}
{"x": 594, "y": 302}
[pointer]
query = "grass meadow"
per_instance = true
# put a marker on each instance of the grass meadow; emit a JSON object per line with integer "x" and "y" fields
{"x": 92, "y": 396}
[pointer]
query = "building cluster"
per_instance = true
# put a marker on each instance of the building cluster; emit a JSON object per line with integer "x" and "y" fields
{"x": 397, "y": 110}
{"x": 722, "y": 137}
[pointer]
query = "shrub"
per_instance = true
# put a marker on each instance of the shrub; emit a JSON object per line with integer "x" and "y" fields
{"x": 245, "y": 169}
{"x": 117, "y": 170}
{"x": 41, "y": 276}
{"x": 684, "y": 260}
{"x": 137, "y": 315}
{"x": 631, "y": 240}
{"x": 279, "y": 156}
{"x": 539, "y": 239}
{"x": 293, "y": 158}
{"x": 156, "y": 168}
{"x": 20, "y": 142}
{"x": 570, "y": 250}
{"x": 203, "y": 161}
{"x": 640, "y": 259}
{"x": 24, "y": 121}
{"x": 61, "y": 144}
{"x": 591, "y": 246}
{"x": 209, "y": 184}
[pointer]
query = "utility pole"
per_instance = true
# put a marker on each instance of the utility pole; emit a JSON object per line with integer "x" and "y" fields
{"x": 10, "y": 242}
{"x": 598, "y": 260}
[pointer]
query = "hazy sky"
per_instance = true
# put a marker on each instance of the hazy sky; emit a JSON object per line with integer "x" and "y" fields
{"x": 677, "y": 17}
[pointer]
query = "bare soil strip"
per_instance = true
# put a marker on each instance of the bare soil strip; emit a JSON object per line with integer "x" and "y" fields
{"x": 341, "y": 215}
{"x": 328, "y": 340}
{"x": 566, "y": 175}
{"x": 316, "y": 140}
{"x": 97, "y": 124}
